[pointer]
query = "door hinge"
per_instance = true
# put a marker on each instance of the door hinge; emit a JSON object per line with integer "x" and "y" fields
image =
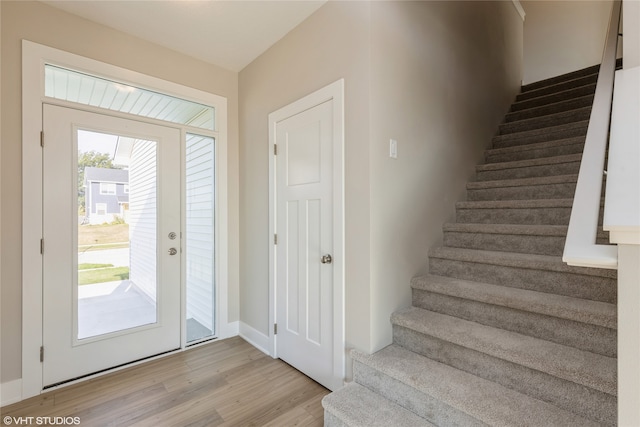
{"x": 275, "y": 149}
{"x": 41, "y": 138}
{"x": 41, "y": 246}
{"x": 275, "y": 329}
{"x": 41, "y": 353}
{"x": 275, "y": 239}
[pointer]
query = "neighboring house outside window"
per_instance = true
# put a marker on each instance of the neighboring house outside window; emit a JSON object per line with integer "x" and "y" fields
{"x": 106, "y": 194}
{"x": 107, "y": 188}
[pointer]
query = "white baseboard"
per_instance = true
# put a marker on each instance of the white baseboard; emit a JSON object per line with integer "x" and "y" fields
{"x": 229, "y": 330}
{"x": 255, "y": 338}
{"x": 11, "y": 392}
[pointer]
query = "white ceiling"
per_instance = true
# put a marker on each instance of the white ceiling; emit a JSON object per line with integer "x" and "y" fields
{"x": 228, "y": 33}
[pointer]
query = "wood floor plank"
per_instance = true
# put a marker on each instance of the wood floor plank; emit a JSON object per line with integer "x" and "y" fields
{"x": 295, "y": 417}
{"x": 225, "y": 383}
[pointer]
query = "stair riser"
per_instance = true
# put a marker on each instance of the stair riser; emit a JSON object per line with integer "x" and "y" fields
{"x": 569, "y": 168}
{"x": 526, "y": 153}
{"x": 409, "y": 398}
{"x": 549, "y": 216}
{"x": 562, "y": 78}
{"x": 524, "y": 244}
{"x": 559, "y": 87}
{"x": 514, "y": 140}
{"x": 595, "y": 339}
{"x": 563, "y": 190}
{"x": 558, "y": 107}
{"x": 562, "y": 283}
{"x": 565, "y": 394}
{"x": 554, "y": 98}
{"x": 545, "y": 121}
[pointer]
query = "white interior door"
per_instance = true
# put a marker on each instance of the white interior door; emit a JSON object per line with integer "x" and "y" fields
{"x": 106, "y": 302}
{"x": 304, "y": 206}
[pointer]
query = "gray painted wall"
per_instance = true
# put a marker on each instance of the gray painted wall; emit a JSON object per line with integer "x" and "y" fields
{"x": 436, "y": 76}
{"x": 563, "y": 36}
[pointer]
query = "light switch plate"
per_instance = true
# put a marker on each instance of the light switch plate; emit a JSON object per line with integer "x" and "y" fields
{"x": 393, "y": 148}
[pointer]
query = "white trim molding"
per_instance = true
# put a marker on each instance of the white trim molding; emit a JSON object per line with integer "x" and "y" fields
{"x": 519, "y": 8}
{"x": 228, "y": 329}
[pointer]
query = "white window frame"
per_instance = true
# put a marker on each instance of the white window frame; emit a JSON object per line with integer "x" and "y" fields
{"x": 34, "y": 58}
{"x": 108, "y": 188}
{"x": 101, "y": 206}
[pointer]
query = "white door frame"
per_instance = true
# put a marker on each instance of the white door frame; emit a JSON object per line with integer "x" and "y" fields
{"x": 334, "y": 93}
{"x": 34, "y": 58}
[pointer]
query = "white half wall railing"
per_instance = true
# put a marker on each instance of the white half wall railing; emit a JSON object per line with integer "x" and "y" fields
{"x": 581, "y": 248}
{"x": 622, "y": 220}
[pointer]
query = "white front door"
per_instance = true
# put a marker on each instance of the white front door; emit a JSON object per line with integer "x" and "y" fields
{"x": 111, "y": 283}
{"x": 305, "y": 253}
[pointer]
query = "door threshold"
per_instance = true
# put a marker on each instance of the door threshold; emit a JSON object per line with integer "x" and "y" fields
{"x": 102, "y": 372}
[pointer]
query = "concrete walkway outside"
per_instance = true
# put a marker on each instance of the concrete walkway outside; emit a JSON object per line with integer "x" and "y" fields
{"x": 112, "y": 306}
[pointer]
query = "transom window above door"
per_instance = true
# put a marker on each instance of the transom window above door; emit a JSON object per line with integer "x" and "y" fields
{"x": 73, "y": 86}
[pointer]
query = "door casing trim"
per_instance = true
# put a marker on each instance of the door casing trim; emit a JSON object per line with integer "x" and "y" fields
{"x": 34, "y": 57}
{"x": 334, "y": 93}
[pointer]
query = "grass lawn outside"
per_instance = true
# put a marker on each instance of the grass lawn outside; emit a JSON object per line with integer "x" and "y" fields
{"x": 87, "y": 266}
{"x": 101, "y": 275}
{"x": 103, "y": 234}
{"x": 85, "y": 248}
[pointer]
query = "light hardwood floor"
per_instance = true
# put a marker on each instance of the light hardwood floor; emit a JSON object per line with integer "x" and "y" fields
{"x": 226, "y": 383}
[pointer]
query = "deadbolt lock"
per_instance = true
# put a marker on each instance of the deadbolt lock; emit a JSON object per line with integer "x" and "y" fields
{"x": 326, "y": 259}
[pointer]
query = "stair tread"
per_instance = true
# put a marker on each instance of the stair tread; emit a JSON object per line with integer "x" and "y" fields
{"x": 558, "y": 87}
{"x": 518, "y": 260}
{"x": 542, "y": 131}
{"x": 582, "y": 367}
{"x": 515, "y": 204}
{"x": 520, "y": 182}
{"x": 358, "y": 406}
{"x": 532, "y": 112}
{"x": 543, "y": 161}
{"x": 519, "y": 229}
{"x": 564, "y": 307}
{"x": 487, "y": 401}
{"x": 531, "y": 121}
{"x": 551, "y": 97}
{"x": 594, "y": 69}
{"x": 512, "y": 229}
{"x": 561, "y": 94}
{"x": 537, "y": 145}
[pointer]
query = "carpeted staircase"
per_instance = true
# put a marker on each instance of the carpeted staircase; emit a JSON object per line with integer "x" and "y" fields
{"x": 501, "y": 331}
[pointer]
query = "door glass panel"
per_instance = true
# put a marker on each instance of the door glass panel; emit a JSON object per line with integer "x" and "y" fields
{"x": 200, "y": 256}
{"x": 117, "y": 223}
